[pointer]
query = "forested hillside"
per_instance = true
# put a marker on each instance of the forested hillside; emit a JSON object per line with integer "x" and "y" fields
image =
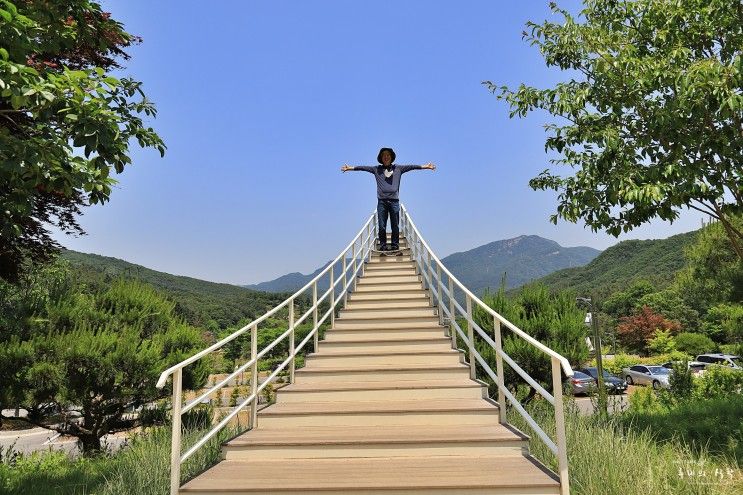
{"x": 204, "y": 304}
{"x": 656, "y": 261}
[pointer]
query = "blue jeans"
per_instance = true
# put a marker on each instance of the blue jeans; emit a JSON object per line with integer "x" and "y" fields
{"x": 391, "y": 208}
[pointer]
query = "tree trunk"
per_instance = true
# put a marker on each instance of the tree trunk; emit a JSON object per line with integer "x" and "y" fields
{"x": 90, "y": 443}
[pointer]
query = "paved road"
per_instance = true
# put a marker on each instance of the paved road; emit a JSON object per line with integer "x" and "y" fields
{"x": 39, "y": 439}
{"x": 616, "y": 403}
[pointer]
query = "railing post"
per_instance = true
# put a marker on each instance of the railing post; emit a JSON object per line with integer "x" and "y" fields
{"x": 430, "y": 277}
{"x": 345, "y": 280}
{"x": 332, "y": 295}
{"x": 355, "y": 266}
{"x": 440, "y": 294}
{"x": 499, "y": 370}
{"x": 471, "y": 338}
{"x": 562, "y": 452}
{"x": 452, "y": 316}
{"x": 292, "y": 364}
{"x": 175, "y": 442}
{"x": 254, "y": 375}
{"x": 316, "y": 338}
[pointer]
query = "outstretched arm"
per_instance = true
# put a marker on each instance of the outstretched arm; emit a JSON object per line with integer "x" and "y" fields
{"x": 362, "y": 168}
{"x": 408, "y": 168}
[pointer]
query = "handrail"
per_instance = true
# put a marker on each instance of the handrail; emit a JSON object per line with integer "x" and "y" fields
{"x": 165, "y": 374}
{"x": 564, "y": 362}
{"x": 365, "y": 238}
{"x": 419, "y": 247}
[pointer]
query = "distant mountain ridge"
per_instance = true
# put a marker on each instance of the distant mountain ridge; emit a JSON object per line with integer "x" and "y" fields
{"x": 201, "y": 303}
{"x": 521, "y": 259}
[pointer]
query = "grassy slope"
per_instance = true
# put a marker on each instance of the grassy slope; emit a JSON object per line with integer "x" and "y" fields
{"x": 621, "y": 265}
{"x": 197, "y": 300}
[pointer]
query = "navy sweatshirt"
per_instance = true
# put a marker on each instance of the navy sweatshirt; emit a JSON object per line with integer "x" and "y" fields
{"x": 388, "y": 187}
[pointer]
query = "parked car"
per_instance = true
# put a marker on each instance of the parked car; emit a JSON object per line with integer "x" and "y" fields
{"x": 696, "y": 367}
{"x": 640, "y": 374}
{"x": 730, "y": 360}
{"x": 580, "y": 383}
{"x": 612, "y": 383}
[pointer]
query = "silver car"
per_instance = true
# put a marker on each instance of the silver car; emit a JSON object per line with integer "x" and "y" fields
{"x": 640, "y": 374}
{"x": 580, "y": 383}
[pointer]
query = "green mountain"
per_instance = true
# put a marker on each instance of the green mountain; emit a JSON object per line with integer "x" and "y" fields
{"x": 619, "y": 266}
{"x": 203, "y": 304}
{"x": 522, "y": 259}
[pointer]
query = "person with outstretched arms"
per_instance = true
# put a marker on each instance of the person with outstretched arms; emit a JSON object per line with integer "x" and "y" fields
{"x": 388, "y": 193}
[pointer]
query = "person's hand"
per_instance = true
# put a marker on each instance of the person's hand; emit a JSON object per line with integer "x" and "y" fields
{"x": 346, "y": 168}
{"x": 429, "y": 166}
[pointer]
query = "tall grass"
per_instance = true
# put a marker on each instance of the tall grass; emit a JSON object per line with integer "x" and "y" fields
{"x": 140, "y": 468}
{"x": 607, "y": 459}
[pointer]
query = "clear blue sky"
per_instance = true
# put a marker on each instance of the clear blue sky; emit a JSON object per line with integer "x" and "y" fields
{"x": 260, "y": 103}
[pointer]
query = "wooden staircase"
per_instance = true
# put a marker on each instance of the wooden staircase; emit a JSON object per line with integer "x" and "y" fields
{"x": 385, "y": 406}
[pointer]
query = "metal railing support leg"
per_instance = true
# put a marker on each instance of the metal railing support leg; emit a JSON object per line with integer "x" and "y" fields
{"x": 439, "y": 295}
{"x": 471, "y": 338}
{"x": 452, "y": 316}
{"x": 499, "y": 371}
{"x": 175, "y": 442}
{"x": 430, "y": 280}
{"x": 345, "y": 280}
{"x": 332, "y": 296}
{"x": 562, "y": 452}
{"x": 292, "y": 363}
{"x": 355, "y": 266}
{"x": 254, "y": 376}
{"x": 316, "y": 338}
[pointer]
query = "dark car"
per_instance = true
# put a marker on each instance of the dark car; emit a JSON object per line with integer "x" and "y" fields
{"x": 612, "y": 383}
{"x": 580, "y": 383}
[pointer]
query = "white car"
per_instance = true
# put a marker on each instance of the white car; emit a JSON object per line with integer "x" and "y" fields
{"x": 640, "y": 374}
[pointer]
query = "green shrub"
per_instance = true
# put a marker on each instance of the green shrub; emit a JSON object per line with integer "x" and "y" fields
{"x": 719, "y": 381}
{"x": 694, "y": 343}
{"x": 661, "y": 343}
{"x": 645, "y": 400}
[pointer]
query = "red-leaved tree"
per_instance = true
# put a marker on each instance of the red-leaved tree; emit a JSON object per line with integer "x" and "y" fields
{"x": 634, "y": 331}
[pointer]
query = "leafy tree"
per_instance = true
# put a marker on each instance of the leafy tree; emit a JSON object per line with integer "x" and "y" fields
{"x": 670, "y": 304}
{"x": 65, "y": 121}
{"x": 694, "y": 344}
{"x": 652, "y": 121}
{"x": 662, "y": 342}
{"x": 85, "y": 359}
{"x": 713, "y": 273}
{"x": 623, "y": 303}
{"x": 635, "y": 331}
{"x": 551, "y": 318}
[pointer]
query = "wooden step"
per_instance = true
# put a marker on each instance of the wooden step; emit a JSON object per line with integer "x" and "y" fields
{"x": 388, "y": 280}
{"x": 382, "y": 373}
{"x": 391, "y": 272}
{"x": 384, "y": 313}
{"x": 383, "y": 413}
{"x": 382, "y": 267}
{"x": 418, "y": 331}
{"x": 377, "y": 259}
{"x": 408, "y": 302}
{"x": 389, "y": 441}
{"x": 390, "y": 295}
{"x": 382, "y": 358}
{"x": 470, "y": 475}
{"x": 382, "y": 391}
{"x": 380, "y": 323}
{"x": 387, "y": 288}
{"x": 356, "y": 343}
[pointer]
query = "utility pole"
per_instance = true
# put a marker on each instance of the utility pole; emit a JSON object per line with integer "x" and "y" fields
{"x": 603, "y": 400}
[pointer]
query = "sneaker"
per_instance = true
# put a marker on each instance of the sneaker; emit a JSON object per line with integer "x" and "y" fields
{"x": 384, "y": 247}
{"x": 394, "y": 247}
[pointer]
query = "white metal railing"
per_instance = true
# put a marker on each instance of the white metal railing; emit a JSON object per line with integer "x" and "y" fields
{"x": 355, "y": 264}
{"x": 431, "y": 269}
